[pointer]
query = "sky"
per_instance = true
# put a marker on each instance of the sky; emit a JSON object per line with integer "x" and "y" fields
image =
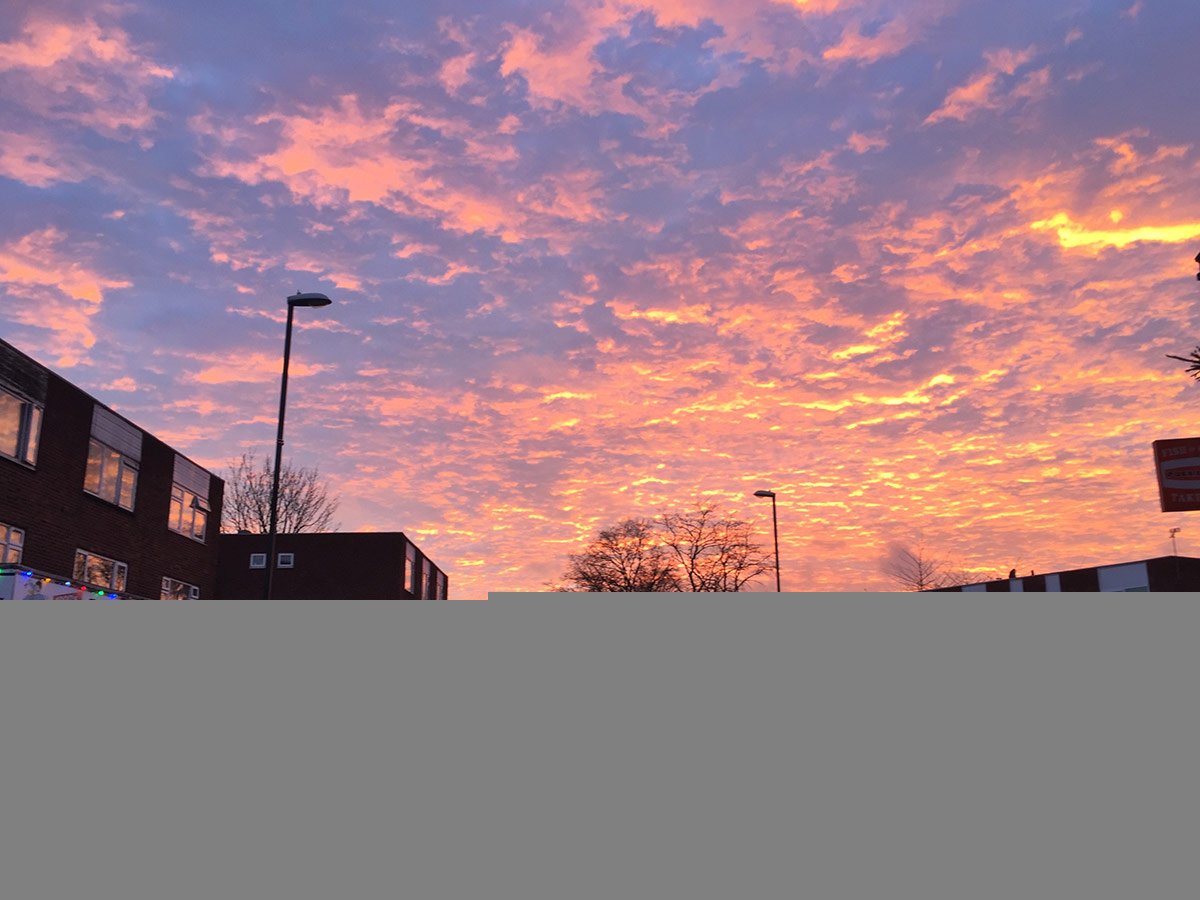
{"x": 915, "y": 266}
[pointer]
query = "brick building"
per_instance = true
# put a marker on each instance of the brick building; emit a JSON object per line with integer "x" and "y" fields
{"x": 1162, "y": 573}
{"x": 88, "y": 497}
{"x": 383, "y": 565}
{"x": 92, "y": 505}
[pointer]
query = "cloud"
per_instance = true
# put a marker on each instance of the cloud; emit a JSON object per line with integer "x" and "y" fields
{"x": 1072, "y": 235}
{"x": 38, "y": 159}
{"x": 985, "y": 90}
{"x": 86, "y": 72}
{"x": 596, "y": 259}
{"x": 50, "y": 287}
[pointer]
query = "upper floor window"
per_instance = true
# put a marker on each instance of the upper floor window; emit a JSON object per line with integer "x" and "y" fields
{"x": 114, "y": 454}
{"x": 189, "y": 513}
{"x": 101, "y": 571}
{"x": 12, "y": 541}
{"x": 20, "y": 427}
{"x": 189, "y": 500}
{"x": 111, "y": 475}
{"x": 441, "y": 585}
{"x": 178, "y": 590}
{"x": 414, "y": 571}
{"x": 427, "y": 581}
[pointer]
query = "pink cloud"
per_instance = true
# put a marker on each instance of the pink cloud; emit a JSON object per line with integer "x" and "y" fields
{"x": 37, "y": 159}
{"x": 899, "y": 32}
{"x": 84, "y": 72}
{"x": 51, "y": 287}
{"x": 244, "y": 368}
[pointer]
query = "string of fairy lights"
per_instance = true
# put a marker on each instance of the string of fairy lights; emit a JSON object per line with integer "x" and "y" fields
{"x": 85, "y": 591}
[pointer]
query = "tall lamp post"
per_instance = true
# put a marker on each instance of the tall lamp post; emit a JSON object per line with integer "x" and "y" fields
{"x": 775, "y": 525}
{"x": 293, "y": 301}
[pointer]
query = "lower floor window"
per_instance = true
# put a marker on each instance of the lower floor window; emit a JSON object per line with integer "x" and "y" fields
{"x": 12, "y": 540}
{"x": 178, "y": 590}
{"x": 91, "y": 568}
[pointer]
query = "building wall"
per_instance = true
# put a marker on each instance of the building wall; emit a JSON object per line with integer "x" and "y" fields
{"x": 1163, "y": 573}
{"x": 329, "y": 566}
{"x": 48, "y": 501}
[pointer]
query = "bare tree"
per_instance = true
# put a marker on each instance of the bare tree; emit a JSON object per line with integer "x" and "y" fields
{"x": 915, "y": 570}
{"x": 1193, "y": 358}
{"x": 699, "y": 550}
{"x": 712, "y": 552}
{"x": 628, "y": 557}
{"x": 1193, "y": 361}
{"x": 304, "y": 500}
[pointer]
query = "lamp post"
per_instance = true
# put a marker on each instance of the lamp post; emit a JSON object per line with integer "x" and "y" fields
{"x": 293, "y": 301}
{"x": 775, "y": 525}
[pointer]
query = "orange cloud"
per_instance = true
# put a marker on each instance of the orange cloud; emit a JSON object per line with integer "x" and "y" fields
{"x": 982, "y": 91}
{"x": 1072, "y": 235}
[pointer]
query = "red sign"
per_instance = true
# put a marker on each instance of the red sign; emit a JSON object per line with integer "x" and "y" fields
{"x": 1177, "y": 462}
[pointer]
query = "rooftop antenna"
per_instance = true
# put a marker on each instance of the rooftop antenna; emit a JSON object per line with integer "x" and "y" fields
{"x": 1174, "y": 548}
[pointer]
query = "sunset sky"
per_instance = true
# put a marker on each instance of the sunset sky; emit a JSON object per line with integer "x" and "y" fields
{"x": 913, "y": 265}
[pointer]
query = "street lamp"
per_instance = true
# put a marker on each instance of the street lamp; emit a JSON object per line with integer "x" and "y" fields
{"x": 293, "y": 301}
{"x": 775, "y": 524}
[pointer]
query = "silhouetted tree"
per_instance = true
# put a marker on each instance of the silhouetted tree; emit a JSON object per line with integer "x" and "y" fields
{"x": 698, "y": 550}
{"x": 1193, "y": 361}
{"x": 1193, "y": 358}
{"x": 915, "y": 570}
{"x": 304, "y": 500}
{"x": 625, "y": 558}
{"x": 712, "y": 552}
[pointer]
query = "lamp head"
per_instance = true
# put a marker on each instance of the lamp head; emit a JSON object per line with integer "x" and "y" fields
{"x": 764, "y": 493}
{"x": 308, "y": 300}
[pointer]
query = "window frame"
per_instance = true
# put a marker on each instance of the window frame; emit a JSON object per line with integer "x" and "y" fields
{"x": 197, "y": 507}
{"x": 291, "y": 561}
{"x": 7, "y": 544}
{"x": 123, "y": 463}
{"x": 30, "y": 414}
{"x": 118, "y": 579}
{"x": 177, "y": 587}
{"x": 258, "y": 560}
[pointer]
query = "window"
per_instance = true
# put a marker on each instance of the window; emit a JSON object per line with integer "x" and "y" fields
{"x": 427, "y": 582}
{"x": 12, "y": 540}
{"x": 100, "y": 571}
{"x": 114, "y": 454}
{"x": 189, "y": 513}
{"x": 258, "y": 560}
{"x": 441, "y": 586}
{"x": 414, "y": 572}
{"x": 189, "y": 500}
{"x": 287, "y": 560}
{"x": 111, "y": 475}
{"x": 178, "y": 590}
{"x": 20, "y": 427}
